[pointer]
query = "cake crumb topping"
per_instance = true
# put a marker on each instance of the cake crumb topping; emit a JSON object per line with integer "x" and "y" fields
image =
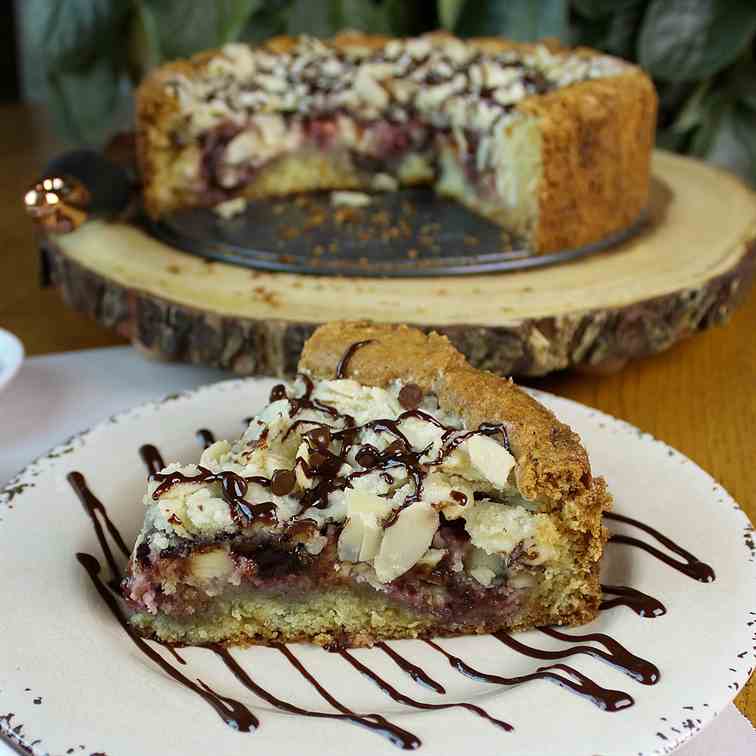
{"x": 382, "y": 464}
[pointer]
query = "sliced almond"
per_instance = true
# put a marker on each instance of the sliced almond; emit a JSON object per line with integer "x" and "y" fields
{"x": 361, "y": 537}
{"x": 210, "y": 565}
{"x": 369, "y": 90}
{"x": 406, "y": 541}
{"x": 215, "y": 451}
{"x": 490, "y": 459}
{"x": 350, "y": 540}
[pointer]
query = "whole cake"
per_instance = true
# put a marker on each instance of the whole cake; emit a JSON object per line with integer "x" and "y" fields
{"x": 390, "y": 491}
{"x": 554, "y": 145}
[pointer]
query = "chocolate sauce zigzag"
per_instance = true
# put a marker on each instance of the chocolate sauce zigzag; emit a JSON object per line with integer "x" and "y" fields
{"x": 234, "y": 713}
{"x": 693, "y": 567}
{"x": 375, "y": 722}
{"x": 616, "y": 654}
{"x": 605, "y": 698}
{"x": 641, "y": 603}
{"x": 391, "y": 691}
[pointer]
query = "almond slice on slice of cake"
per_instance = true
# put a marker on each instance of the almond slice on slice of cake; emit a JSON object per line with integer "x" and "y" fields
{"x": 389, "y": 491}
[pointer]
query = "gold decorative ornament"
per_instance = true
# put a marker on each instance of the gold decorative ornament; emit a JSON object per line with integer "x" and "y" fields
{"x": 58, "y": 203}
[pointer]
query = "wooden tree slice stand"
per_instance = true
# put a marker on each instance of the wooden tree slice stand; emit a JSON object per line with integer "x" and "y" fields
{"x": 686, "y": 272}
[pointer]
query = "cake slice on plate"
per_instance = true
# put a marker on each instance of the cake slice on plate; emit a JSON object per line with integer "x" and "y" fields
{"x": 390, "y": 491}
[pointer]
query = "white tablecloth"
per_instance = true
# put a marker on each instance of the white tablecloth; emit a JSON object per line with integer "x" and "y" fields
{"x": 55, "y": 396}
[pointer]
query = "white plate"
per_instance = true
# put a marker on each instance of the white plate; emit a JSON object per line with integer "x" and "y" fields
{"x": 11, "y": 356}
{"x": 73, "y": 679}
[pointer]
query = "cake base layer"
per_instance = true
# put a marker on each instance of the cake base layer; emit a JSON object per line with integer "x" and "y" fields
{"x": 338, "y": 617}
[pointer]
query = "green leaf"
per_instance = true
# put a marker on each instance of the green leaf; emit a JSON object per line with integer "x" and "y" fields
{"x": 743, "y": 119}
{"x": 190, "y": 27}
{"x": 623, "y": 28}
{"x": 144, "y": 43}
{"x": 87, "y": 103}
{"x": 69, "y": 33}
{"x": 363, "y": 15}
{"x": 328, "y": 18}
{"x": 269, "y": 21}
{"x": 743, "y": 82}
{"x": 693, "y": 39}
{"x": 733, "y": 142}
{"x": 669, "y": 139}
{"x": 693, "y": 113}
{"x": 307, "y": 17}
{"x": 712, "y": 114}
{"x": 520, "y": 20}
{"x": 615, "y": 32}
{"x": 408, "y": 19}
{"x": 448, "y": 12}
{"x": 594, "y": 9}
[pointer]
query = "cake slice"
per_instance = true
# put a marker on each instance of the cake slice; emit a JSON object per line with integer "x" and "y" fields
{"x": 390, "y": 491}
{"x": 550, "y": 143}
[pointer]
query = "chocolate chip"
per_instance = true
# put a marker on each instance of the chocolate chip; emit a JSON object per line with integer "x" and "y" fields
{"x": 395, "y": 447}
{"x": 283, "y": 482}
{"x": 410, "y": 396}
{"x": 367, "y": 456}
{"x": 316, "y": 460}
{"x": 278, "y": 392}
{"x": 459, "y": 497}
{"x": 320, "y": 436}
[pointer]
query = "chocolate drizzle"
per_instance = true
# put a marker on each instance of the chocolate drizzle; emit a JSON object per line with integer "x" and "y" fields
{"x": 604, "y": 698}
{"x": 692, "y": 566}
{"x": 93, "y": 506}
{"x": 233, "y": 490}
{"x": 374, "y": 722}
{"x": 418, "y": 674}
{"x": 616, "y": 654}
{"x": 205, "y": 437}
{"x": 641, "y": 603}
{"x": 232, "y": 712}
{"x": 152, "y": 459}
{"x": 323, "y": 465}
{"x": 347, "y": 356}
{"x": 391, "y": 691}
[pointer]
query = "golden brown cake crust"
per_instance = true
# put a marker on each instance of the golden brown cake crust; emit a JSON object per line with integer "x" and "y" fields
{"x": 597, "y": 137}
{"x": 596, "y": 142}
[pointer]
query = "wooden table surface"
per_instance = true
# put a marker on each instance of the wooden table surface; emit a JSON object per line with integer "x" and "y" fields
{"x": 699, "y": 397}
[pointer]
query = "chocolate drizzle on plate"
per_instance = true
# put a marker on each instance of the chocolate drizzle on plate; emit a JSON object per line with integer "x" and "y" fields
{"x": 232, "y": 712}
{"x": 418, "y": 674}
{"x": 374, "y": 722}
{"x": 152, "y": 458}
{"x": 641, "y": 603}
{"x": 692, "y": 566}
{"x": 616, "y": 654}
{"x": 93, "y": 506}
{"x": 391, "y": 691}
{"x": 205, "y": 437}
{"x": 577, "y": 682}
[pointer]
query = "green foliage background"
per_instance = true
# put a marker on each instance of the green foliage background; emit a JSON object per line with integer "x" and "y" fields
{"x": 699, "y": 52}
